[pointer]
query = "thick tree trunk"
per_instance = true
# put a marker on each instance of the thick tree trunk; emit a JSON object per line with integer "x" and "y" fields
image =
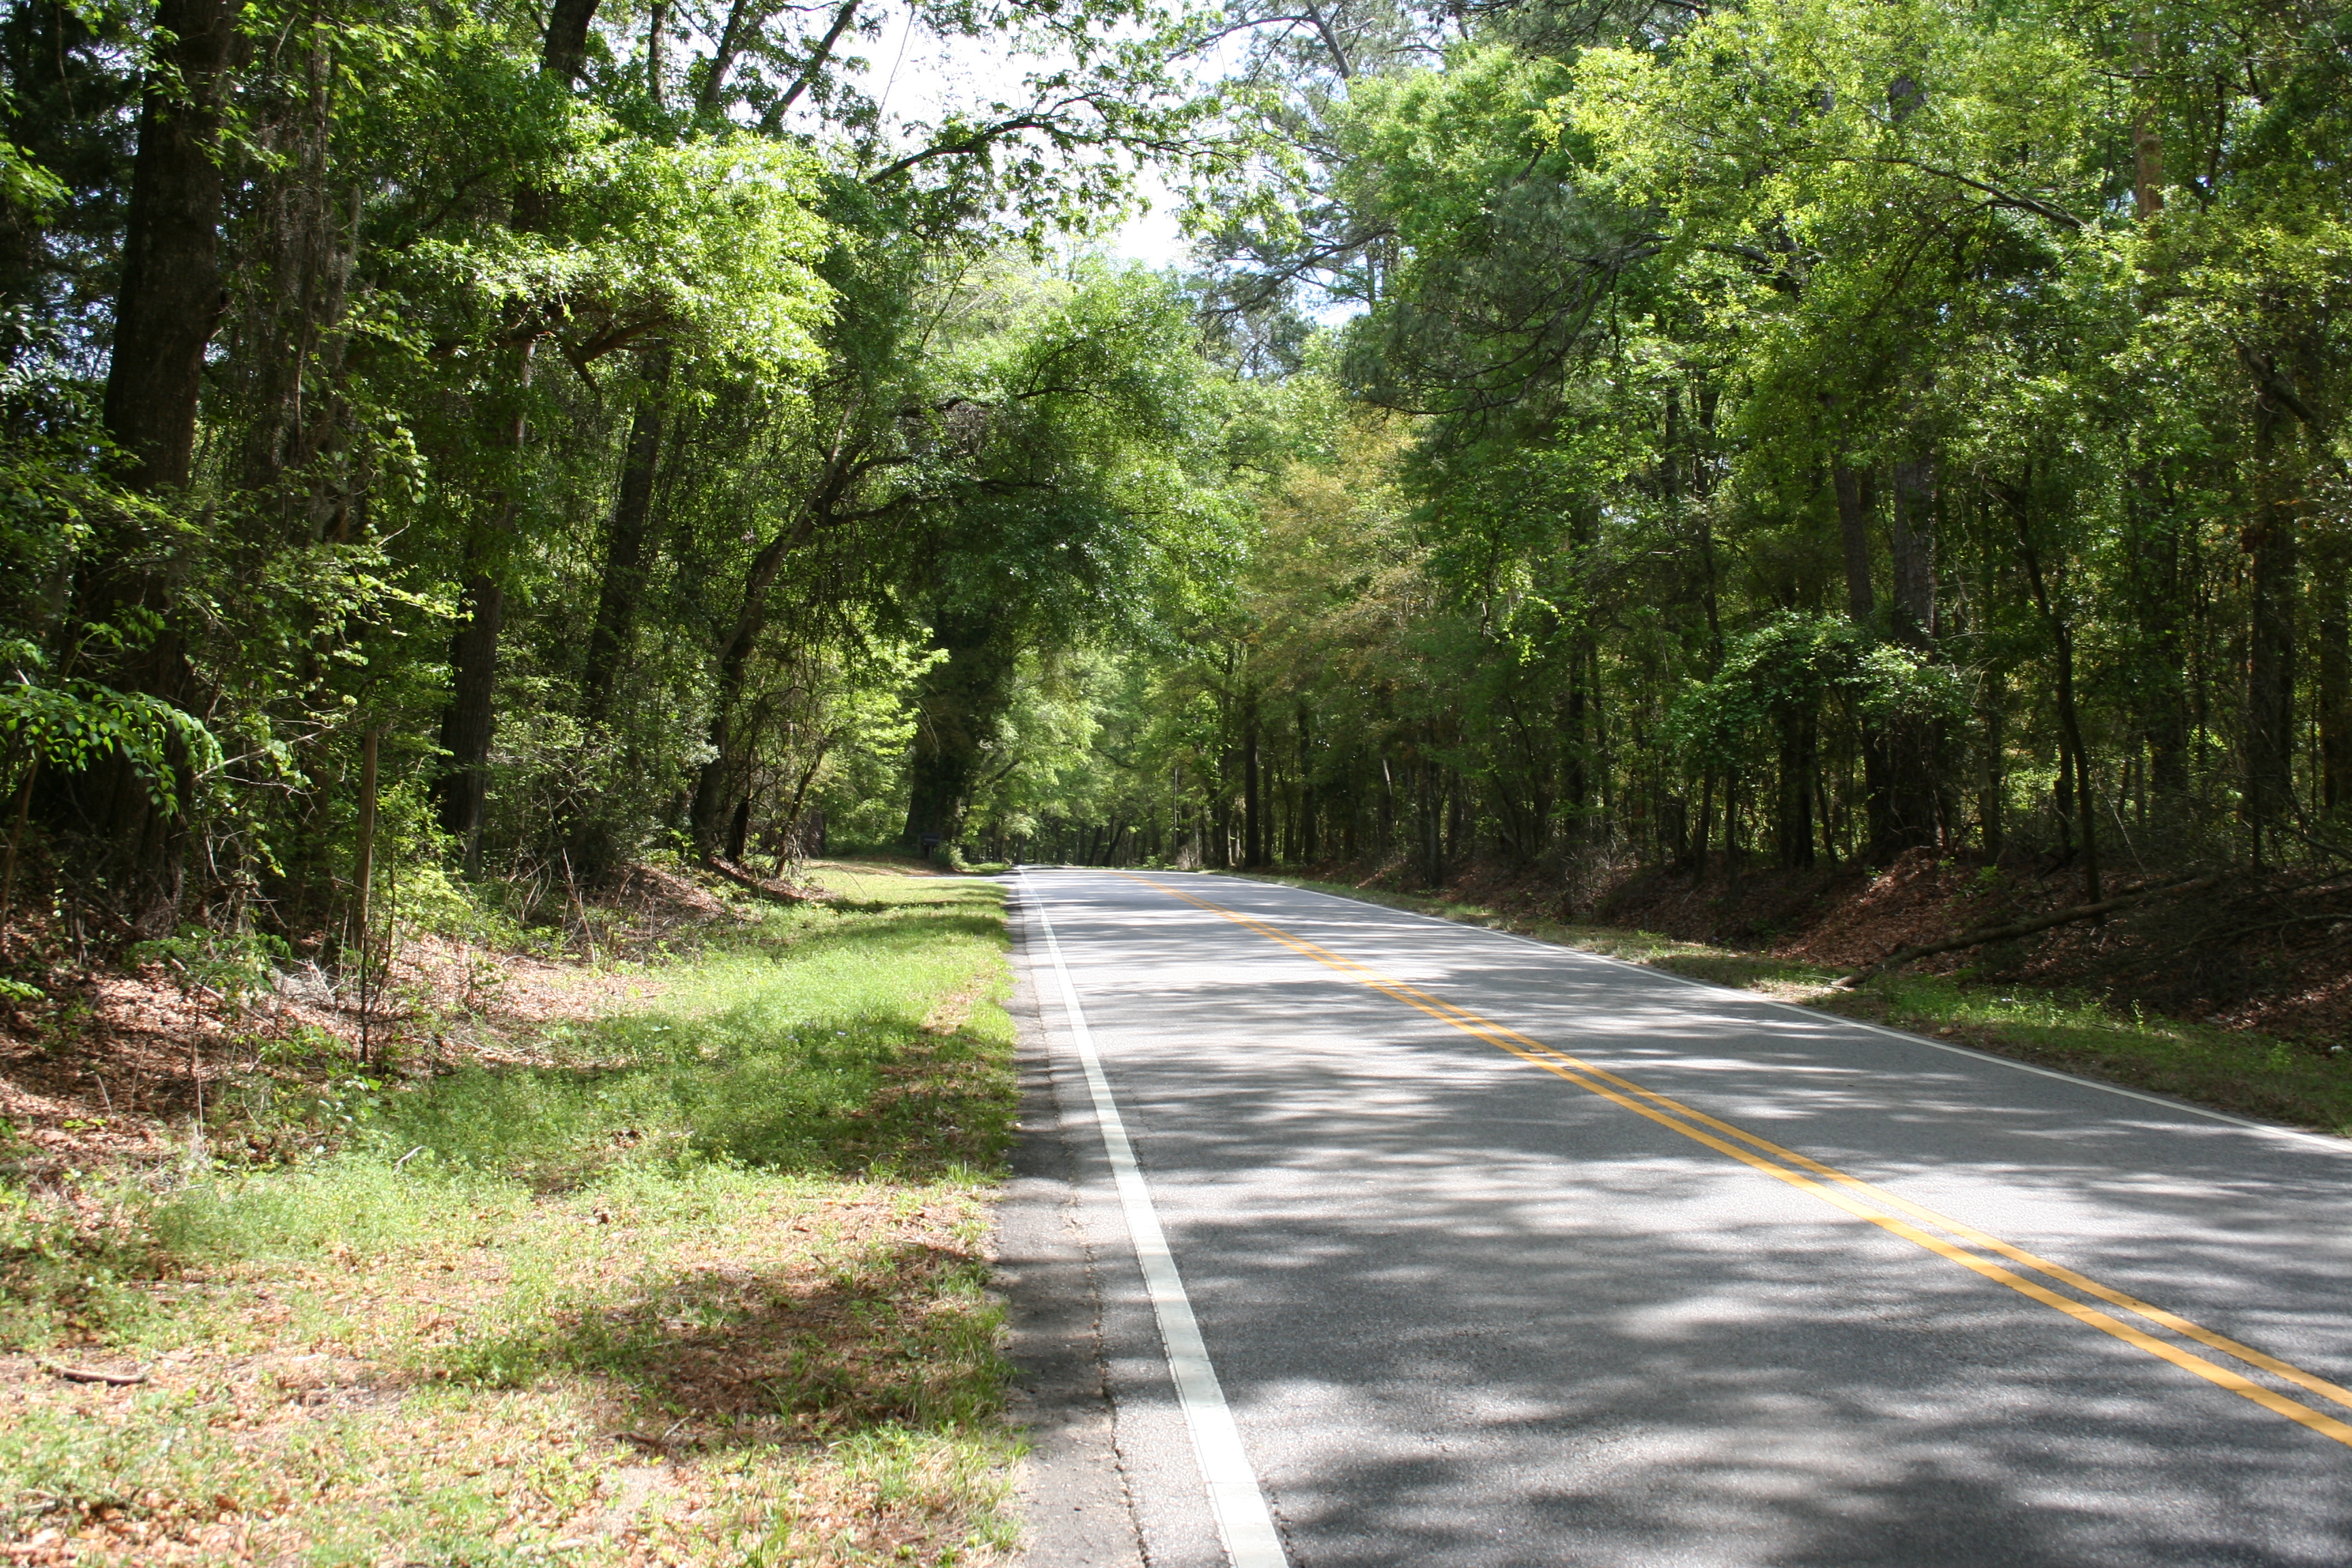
{"x": 959, "y": 701}
{"x": 470, "y": 721}
{"x": 1913, "y": 540}
{"x": 167, "y": 307}
{"x": 171, "y": 300}
{"x": 563, "y": 52}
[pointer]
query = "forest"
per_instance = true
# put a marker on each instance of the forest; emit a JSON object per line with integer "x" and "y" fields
{"x": 460, "y": 451}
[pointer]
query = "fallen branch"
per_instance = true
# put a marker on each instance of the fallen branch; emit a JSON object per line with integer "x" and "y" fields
{"x": 2324, "y": 917}
{"x": 93, "y": 1375}
{"x": 766, "y": 889}
{"x": 1910, "y": 953}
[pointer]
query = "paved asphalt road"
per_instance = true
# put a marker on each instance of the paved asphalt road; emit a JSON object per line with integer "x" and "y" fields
{"x": 1475, "y": 1296}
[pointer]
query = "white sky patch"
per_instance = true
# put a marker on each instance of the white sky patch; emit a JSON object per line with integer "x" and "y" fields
{"x": 916, "y": 76}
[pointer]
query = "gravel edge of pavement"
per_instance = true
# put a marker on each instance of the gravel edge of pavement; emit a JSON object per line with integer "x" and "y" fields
{"x": 1073, "y": 1487}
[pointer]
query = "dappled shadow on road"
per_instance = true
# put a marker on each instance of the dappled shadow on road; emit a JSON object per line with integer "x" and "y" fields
{"x": 1471, "y": 1313}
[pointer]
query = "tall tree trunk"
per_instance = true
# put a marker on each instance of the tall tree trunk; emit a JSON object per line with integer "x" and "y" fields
{"x": 621, "y": 585}
{"x": 2270, "y": 539}
{"x": 2083, "y": 798}
{"x": 1794, "y": 827}
{"x": 168, "y": 304}
{"x": 2162, "y": 617}
{"x": 1306, "y": 801}
{"x": 469, "y": 723}
{"x": 1252, "y": 798}
{"x": 170, "y": 300}
{"x": 1913, "y": 540}
{"x": 1910, "y": 740}
{"x": 1855, "y": 498}
{"x": 2335, "y": 683}
{"x": 2157, "y": 535}
{"x": 1992, "y": 801}
{"x": 2147, "y": 138}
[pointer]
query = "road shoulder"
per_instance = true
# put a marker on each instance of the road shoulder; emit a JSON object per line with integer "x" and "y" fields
{"x": 1073, "y": 1489}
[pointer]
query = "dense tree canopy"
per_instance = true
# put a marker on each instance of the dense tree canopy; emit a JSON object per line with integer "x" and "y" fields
{"x": 507, "y": 441}
{"x": 1790, "y": 428}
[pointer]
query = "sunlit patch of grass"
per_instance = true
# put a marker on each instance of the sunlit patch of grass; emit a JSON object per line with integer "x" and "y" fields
{"x": 711, "y": 1292}
{"x": 2234, "y": 1070}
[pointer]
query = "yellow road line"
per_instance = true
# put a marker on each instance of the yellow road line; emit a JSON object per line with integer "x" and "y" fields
{"x": 1694, "y": 1124}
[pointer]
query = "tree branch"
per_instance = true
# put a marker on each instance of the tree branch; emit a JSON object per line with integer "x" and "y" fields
{"x": 1909, "y": 952}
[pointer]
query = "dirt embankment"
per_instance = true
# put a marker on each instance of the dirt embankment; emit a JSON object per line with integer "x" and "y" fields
{"x": 104, "y": 1063}
{"x": 2265, "y": 951}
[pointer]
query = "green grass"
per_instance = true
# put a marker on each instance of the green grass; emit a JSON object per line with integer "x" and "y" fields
{"x": 710, "y": 1289}
{"x": 2234, "y": 1070}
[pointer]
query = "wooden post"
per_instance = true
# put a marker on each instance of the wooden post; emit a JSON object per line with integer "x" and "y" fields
{"x": 363, "y": 873}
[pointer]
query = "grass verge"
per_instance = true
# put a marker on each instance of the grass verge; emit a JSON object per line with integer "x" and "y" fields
{"x": 2227, "y": 1070}
{"x": 710, "y": 1289}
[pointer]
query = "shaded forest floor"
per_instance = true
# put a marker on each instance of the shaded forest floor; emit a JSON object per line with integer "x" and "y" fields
{"x": 657, "y": 1238}
{"x": 2238, "y": 996}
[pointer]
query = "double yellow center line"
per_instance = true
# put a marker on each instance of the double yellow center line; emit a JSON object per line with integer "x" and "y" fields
{"x": 1863, "y": 1200}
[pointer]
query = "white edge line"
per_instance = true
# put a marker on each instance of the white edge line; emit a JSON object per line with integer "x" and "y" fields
{"x": 2300, "y": 1135}
{"x": 1244, "y": 1522}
